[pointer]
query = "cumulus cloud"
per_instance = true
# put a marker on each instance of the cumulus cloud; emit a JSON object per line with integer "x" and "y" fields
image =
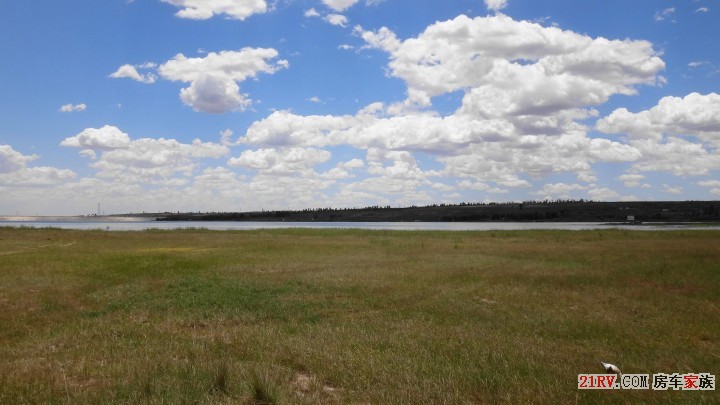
{"x": 472, "y": 185}
{"x": 357, "y": 163}
{"x": 12, "y": 160}
{"x": 695, "y": 114}
{"x": 284, "y": 161}
{"x": 603, "y": 194}
{"x": 527, "y": 94}
{"x": 205, "y": 9}
{"x": 515, "y": 67}
{"x": 677, "y": 156}
{"x": 226, "y": 137}
{"x": 37, "y": 176}
{"x": 709, "y": 183}
{"x": 146, "y": 159}
{"x": 311, "y": 13}
{"x": 560, "y": 188}
{"x": 66, "y": 108}
{"x": 343, "y": 170}
{"x": 214, "y": 79}
{"x": 678, "y": 135}
{"x": 339, "y": 5}
{"x": 495, "y": 5}
{"x": 631, "y": 180}
{"x": 214, "y": 94}
{"x": 130, "y": 72}
{"x": 383, "y": 38}
{"x": 492, "y": 149}
{"x": 554, "y": 191}
{"x": 336, "y": 19}
{"x": 105, "y": 138}
{"x": 14, "y": 170}
{"x": 526, "y": 90}
{"x": 664, "y": 14}
{"x": 672, "y": 190}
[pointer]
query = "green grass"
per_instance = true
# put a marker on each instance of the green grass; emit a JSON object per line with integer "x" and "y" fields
{"x": 350, "y": 316}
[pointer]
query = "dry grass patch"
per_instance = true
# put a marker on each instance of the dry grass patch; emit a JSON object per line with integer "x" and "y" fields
{"x": 348, "y": 316}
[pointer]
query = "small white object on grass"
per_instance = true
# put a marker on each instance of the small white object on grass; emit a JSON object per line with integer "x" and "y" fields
{"x": 611, "y": 368}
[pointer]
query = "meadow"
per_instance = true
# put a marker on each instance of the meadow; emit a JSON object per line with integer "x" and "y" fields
{"x": 349, "y": 316}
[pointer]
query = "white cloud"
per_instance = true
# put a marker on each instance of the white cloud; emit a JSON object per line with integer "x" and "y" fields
{"x": 336, "y": 19}
{"x": 672, "y": 190}
{"x": 471, "y": 185}
{"x": 105, "y": 138}
{"x": 632, "y": 180}
{"x": 357, "y": 163}
{"x": 314, "y": 99}
{"x": 237, "y": 65}
{"x": 144, "y": 160}
{"x": 283, "y": 128}
{"x": 396, "y": 165}
{"x": 496, "y": 5}
{"x": 152, "y": 158}
{"x": 339, "y": 5}
{"x": 603, "y": 194}
{"x": 695, "y": 114}
{"x": 72, "y": 107}
{"x": 383, "y": 38}
{"x": 214, "y": 79}
{"x": 226, "y": 137}
{"x": 702, "y": 10}
{"x": 130, "y": 72}
{"x": 14, "y": 171}
{"x": 608, "y": 151}
{"x": 526, "y": 90}
{"x": 709, "y": 183}
{"x": 663, "y": 14}
{"x": 205, "y": 9}
{"x": 677, "y": 156}
{"x": 214, "y": 94}
{"x": 527, "y": 94}
{"x": 679, "y": 135}
{"x": 311, "y": 13}
{"x": 559, "y": 190}
{"x": 284, "y": 161}
{"x": 343, "y": 169}
{"x": 37, "y": 176}
{"x": 12, "y": 160}
{"x": 346, "y": 47}
{"x": 514, "y": 67}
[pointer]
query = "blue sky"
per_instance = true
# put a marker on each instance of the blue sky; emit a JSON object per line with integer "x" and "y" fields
{"x": 235, "y": 105}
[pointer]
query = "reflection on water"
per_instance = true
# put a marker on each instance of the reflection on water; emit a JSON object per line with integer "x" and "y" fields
{"x": 139, "y": 224}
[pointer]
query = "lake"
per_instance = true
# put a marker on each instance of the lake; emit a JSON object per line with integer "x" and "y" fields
{"x": 139, "y": 224}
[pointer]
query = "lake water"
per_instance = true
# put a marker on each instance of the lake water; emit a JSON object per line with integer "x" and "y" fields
{"x": 139, "y": 224}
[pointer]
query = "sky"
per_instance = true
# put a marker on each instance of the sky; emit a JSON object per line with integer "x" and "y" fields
{"x": 244, "y": 105}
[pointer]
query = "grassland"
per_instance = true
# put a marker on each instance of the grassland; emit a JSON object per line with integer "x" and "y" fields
{"x": 348, "y": 316}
